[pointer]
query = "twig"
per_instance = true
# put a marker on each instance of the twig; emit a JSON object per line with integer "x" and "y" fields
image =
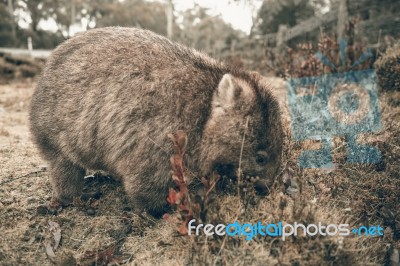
{"x": 379, "y": 44}
{"x": 241, "y": 149}
{"x": 158, "y": 145}
{"x": 240, "y": 165}
{"x": 28, "y": 174}
{"x": 222, "y": 246}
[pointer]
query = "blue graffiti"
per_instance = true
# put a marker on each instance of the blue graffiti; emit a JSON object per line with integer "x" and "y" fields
{"x": 340, "y": 104}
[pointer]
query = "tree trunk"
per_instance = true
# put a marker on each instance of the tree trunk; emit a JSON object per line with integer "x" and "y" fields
{"x": 13, "y": 24}
{"x": 170, "y": 19}
{"x": 73, "y": 14}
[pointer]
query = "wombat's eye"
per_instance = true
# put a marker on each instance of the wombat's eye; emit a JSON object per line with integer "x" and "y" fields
{"x": 262, "y": 158}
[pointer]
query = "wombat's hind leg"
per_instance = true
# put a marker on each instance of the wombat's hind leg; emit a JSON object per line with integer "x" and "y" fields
{"x": 67, "y": 180}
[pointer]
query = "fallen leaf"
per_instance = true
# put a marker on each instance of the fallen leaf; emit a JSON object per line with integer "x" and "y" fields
{"x": 395, "y": 257}
{"x": 56, "y": 231}
{"x": 49, "y": 251}
{"x": 52, "y": 244}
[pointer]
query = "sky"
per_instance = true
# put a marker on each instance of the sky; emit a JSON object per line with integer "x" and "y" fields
{"x": 236, "y": 13}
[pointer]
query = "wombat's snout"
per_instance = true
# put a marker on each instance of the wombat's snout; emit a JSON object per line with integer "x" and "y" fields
{"x": 228, "y": 170}
{"x": 261, "y": 188}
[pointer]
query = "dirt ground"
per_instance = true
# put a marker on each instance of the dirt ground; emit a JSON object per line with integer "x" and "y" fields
{"x": 102, "y": 229}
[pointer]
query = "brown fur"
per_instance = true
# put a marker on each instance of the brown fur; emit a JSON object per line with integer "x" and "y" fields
{"x": 107, "y": 99}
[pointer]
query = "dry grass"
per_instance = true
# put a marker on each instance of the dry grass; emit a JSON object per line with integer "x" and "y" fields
{"x": 355, "y": 194}
{"x": 14, "y": 68}
{"x": 387, "y": 68}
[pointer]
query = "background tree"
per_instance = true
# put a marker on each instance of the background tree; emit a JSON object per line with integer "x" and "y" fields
{"x": 6, "y": 25}
{"x": 208, "y": 33}
{"x": 272, "y": 14}
{"x": 131, "y": 13}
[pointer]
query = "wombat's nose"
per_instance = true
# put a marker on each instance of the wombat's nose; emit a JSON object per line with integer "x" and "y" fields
{"x": 226, "y": 170}
{"x": 261, "y": 188}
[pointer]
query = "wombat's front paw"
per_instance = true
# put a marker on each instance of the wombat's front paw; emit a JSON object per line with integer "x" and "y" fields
{"x": 93, "y": 195}
{"x": 53, "y": 207}
{"x": 142, "y": 205}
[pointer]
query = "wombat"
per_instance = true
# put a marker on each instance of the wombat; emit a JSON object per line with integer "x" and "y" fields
{"x": 107, "y": 99}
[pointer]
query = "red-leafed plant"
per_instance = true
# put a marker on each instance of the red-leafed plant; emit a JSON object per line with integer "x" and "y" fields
{"x": 188, "y": 204}
{"x": 179, "y": 197}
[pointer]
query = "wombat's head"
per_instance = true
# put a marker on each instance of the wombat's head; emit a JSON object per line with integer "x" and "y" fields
{"x": 244, "y": 129}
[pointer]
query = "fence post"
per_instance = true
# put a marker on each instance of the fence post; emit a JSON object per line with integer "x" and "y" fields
{"x": 342, "y": 19}
{"x": 281, "y": 35}
{"x": 30, "y": 48}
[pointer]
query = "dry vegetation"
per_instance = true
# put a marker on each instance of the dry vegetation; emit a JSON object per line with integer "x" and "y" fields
{"x": 17, "y": 67}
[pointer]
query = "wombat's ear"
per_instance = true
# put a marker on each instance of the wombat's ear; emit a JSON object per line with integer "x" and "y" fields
{"x": 224, "y": 97}
{"x": 230, "y": 90}
{"x": 227, "y": 92}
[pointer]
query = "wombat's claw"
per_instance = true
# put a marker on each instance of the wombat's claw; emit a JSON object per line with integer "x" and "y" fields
{"x": 53, "y": 208}
{"x": 87, "y": 196}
